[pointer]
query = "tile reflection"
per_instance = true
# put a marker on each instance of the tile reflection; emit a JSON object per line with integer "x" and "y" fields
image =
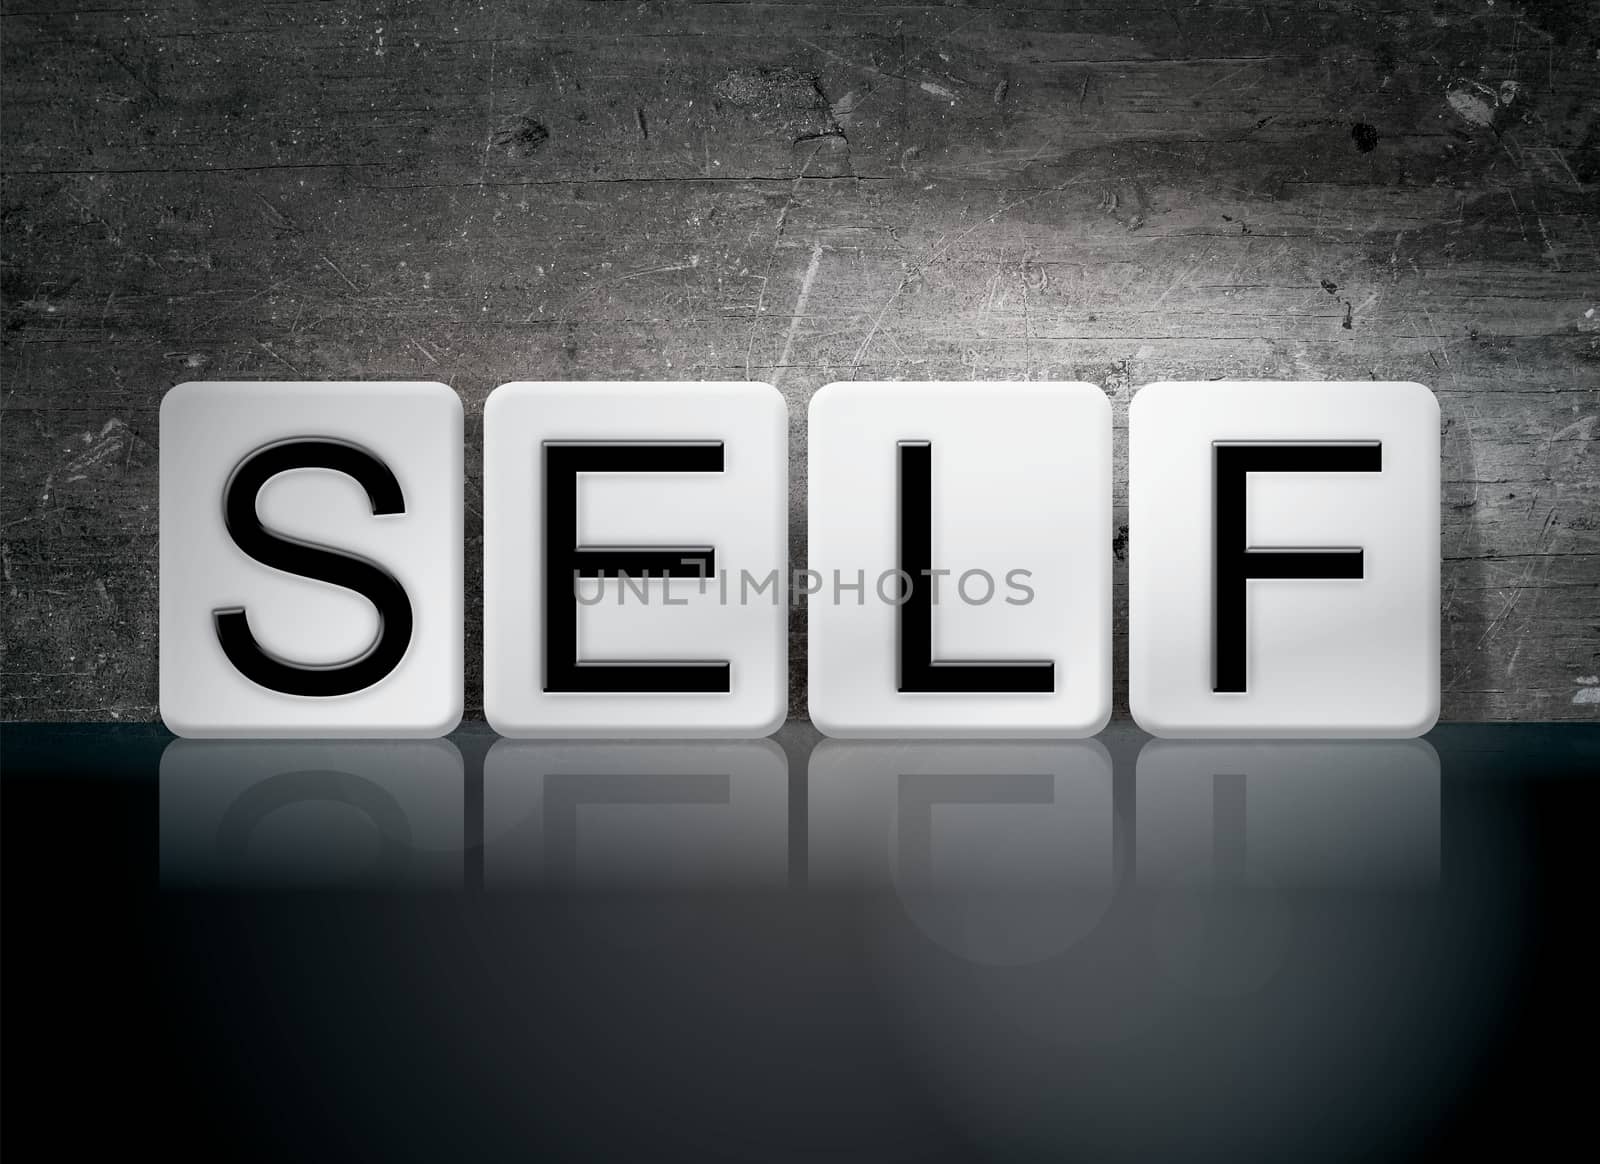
{"x": 311, "y": 813}
{"x": 1236, "y": 839}
{"x": 646, "y": 816}
{"x": 1000, "y": 852}
{"x": 1288, "y": 814}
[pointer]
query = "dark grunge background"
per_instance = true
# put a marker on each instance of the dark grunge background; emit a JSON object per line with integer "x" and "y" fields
{"x": 800, "y": 192}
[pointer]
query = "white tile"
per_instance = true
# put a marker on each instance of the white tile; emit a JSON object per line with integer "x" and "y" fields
{"x": 1020, "y": 500}
{"x": 310, "y": 657}
{"x": 691, "y": 467}
{"x": 1349, "y": 649}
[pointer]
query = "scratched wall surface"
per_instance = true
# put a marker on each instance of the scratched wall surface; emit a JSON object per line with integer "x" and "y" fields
{"x": 801, "y": 193}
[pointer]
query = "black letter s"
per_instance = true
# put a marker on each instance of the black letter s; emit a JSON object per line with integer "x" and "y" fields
{"x": 308, "y": 560}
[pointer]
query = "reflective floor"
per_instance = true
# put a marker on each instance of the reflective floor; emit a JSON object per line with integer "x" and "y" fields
{"x": 798, "y": 949}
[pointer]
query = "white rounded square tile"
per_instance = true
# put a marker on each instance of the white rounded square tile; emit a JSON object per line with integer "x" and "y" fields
{"x": 996, "y": 496}
{"x": 1283, "y": 559}
{"x": 683, "y": 487}
{"x": 311, "y": 559}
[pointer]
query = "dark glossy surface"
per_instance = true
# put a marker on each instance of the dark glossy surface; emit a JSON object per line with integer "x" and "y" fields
{"x": 1110, "y": 950}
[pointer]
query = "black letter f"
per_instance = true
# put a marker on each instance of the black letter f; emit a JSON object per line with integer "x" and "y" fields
{"x": 1235, "y": 564}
